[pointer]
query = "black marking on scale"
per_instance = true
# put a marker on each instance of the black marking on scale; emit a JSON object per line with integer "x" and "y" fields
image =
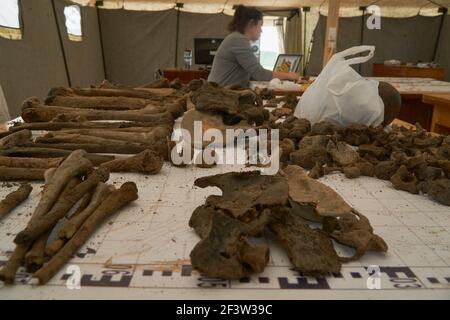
{"x": 433, "y": 280}
{"x": 105, "y": 281}
{"x": 123, "y": 278}
{"x": 65, "y": 276}
{"x": 264, "y": 280}
{"x": 303, "y": 283}
{"x": 393, "y": 272}
{"x": 147, "y": 273}
{"x": 186, "y": 270}
{"x": 164, "y": 273}
{"x": 244, "y": 280}
{"x": 167, "y": 273}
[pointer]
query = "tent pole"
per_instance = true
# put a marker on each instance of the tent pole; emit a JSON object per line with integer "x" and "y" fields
{"x": 331, "y": 30}
{"x": 97, "y": 3}
{"x": 178, "y": 7}
{"x": 438, "y": 38}
{"x": 305, "y": 10}
{"x": 361, "y": 39}
{"x": 61, "y": 44}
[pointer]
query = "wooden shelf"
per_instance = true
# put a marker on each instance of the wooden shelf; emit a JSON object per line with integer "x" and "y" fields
{"x": 185, "y": 75}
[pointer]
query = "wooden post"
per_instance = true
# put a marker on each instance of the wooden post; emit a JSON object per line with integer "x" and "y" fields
{"x": 331, "y": 31}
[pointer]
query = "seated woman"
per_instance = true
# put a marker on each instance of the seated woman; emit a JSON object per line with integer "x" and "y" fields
{"x": 235, "y": 63}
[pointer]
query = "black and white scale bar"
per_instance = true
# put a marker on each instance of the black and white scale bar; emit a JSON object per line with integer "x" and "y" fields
{"x": 435, "y": 280}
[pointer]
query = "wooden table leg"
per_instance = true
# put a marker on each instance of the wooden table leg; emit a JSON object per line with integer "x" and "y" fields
{"x": 440, "y": 122}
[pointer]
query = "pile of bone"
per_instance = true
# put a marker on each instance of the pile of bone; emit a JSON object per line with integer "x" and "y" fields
{"x": 254, "y": 206}
{"x": 102, "y": 120}
{"x": 233, "y": 104}
{"x": 414, "y": 160}
{"x": 75, "y": 200}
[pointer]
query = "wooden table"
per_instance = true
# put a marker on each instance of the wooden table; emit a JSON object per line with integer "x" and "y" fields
{"x": 440, "y": 121}
{"x": 185, "y": 75}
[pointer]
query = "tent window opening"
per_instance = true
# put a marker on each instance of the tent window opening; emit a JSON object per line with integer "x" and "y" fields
{"x": 271, "y": 41}
{"x": 73, "y": 22}
{"x": 9, "y": 20}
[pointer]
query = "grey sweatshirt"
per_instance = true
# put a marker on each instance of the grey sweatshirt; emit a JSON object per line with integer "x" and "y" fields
{"x": 235, "y": 63}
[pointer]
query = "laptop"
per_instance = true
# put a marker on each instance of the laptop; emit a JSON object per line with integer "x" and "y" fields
{"x": 288, "y": 62}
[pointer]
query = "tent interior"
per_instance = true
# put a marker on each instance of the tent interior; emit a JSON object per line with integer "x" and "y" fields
{"x": 224, "y": 149}
{"x": 127, "y": 41}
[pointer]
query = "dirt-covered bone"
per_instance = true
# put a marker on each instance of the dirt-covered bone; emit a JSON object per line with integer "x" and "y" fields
{"x": 225, "y": 252}
{"x": 245, "y": 193}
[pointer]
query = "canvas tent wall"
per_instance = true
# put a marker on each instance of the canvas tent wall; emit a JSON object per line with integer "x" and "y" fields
{"x": 137, "y": 43}
{"x": 410, "y": 39}
{"x": 32, "y": 65}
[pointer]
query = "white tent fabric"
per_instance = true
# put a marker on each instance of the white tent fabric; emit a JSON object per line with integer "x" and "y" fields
{"x": 349, "y": 8}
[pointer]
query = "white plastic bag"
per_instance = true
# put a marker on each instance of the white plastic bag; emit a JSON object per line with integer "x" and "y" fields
{"x": 341, "y": 95}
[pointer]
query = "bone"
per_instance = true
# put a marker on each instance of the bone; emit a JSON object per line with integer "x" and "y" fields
{"x": 34, "y": 111}
{"x": 65, "y": 202}
{"x": 342, "y": 153}
{"x": 309, "y": 250}
{"x": 316, "y": 172}
{"x": 115, "y": 201}
{"x": 405, "y": 180}
{"x": 224, "y": 251}
{"x": 74, "y": 165}
{"x": 354, "y": 230}
{"x": 82, "y": 205}
{"x": 101, "y": 192}
{"x": 48, "y": 152}
{"x": 15, "y": 138}
{"x": 146, "y": 129}
{"x": 307, "y": 157}
{"x": 7, "y": 173}
{"x": 8, "y": 272}
{"x": 128, "y": 148}
{"x": 104, "y": 103}
{"x": 14, "y": 199}
{"x": 245, "y": 190}
{"x": 53, "y": 248}
{"x": 148, "y": 162}
{"x": 32, "y": 163}
{"x": 53, "y": 126}
{"x": 351, "y": 172}
{"x": 147, "y": 137}
{"x": 386, "y": 169}
{"x": 116, "y": 92}
{"x": 34, "y": 259}
{"x": 158, "y": 83}
{"x": 439, "y": 190}
{"x": 307, "y": 191}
